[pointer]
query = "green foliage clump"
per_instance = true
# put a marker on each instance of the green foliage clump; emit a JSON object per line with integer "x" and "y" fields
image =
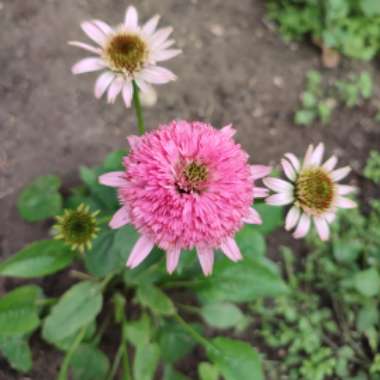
{"x": 372, "y": 169}
{"x": 351, "y": 27}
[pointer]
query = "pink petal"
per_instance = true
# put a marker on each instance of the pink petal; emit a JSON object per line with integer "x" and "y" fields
{"x": 87, "y": 65}
{"x": 294, "y": 161}
{"x": 260, "y": 192}
{"x": 316, "y": 157}
{"x": 114, "y": 89}
{"x": 151, "y": 25}
{"x": 322, "y": 228}
{"x": 330, "y": 163}
{"x": 260, "y": 171}
{"x": 94, "y": 32}
{"x": 344, "y": 202}
{"x": 131, "y": 18}
{"x": 104, "y": 27}
{"x": 133, "y": 141}
{"x": 281, "y": 199}
{"x": 84, "y": 46}
{"x": 253, "y": 217}
{"x": 339, "y": 174}
{"x": 277, "y": 184}
{"x": 206, "y": 259}
{"x": 157, "y": 75}
{"x": 113, "y": 179}
{"x": 164, "y": 55}
{"x": 292, "y": 218}
{"x": 231, "y": 249}
{"x": 140, "y": 251}
{"x": 120, "y": 218}
{"x": 172, "y": 258}
{"x": 345, "y": 189}
{"x": 288, "y": 169}
{"x": 228, "y": 130}
{"x": 102, "y": 83}
{"x": 127, "y": 94}
{"x": 303, "y": 227}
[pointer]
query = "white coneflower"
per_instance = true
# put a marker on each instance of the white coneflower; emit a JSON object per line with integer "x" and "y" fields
{"x": 127, "y": 53}
{"x": 313, "y": 190}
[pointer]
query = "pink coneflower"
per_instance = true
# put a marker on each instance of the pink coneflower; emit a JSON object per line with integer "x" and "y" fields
{"x": 186, "y": 185}
{"x": 126, "y": 53}
{"x": 313, "y": 190}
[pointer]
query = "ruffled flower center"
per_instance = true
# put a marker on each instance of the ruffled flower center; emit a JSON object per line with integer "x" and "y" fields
{"x": 126, "y": 52}
{"x": 192, "y": 178}
{"x": 314, "y": 190}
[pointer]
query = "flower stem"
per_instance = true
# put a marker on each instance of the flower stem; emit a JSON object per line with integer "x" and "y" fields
{"x": 138, "y": 108}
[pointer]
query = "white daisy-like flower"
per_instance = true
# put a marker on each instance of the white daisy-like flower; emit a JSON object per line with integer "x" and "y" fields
{"x": 128, "y": 54}
{"x": 313, "y": 191}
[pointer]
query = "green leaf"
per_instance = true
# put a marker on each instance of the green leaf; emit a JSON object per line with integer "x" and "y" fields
{"x": 370, "y": 7}
{"x": 304, "y": 117}
{"x": 222, "y": 315}
{"x": 38, "y": 259}
{"x": 174, "y": 342}
{"x": 368, "y": 317}
{"x": 155, "y": 299}
{"x": 171, "y": 374}
{"x": 78, "y": 307}
{"x": 251, "y": 243}
{"x": 16, "y": 350}
{"x": 367, "y": 282}
{"x": 272, "y": 216}
{"x": 138, "y": 332}
{"x": 244, "y": 281}
{"x": 114, "y": 160}
{"x": 66, "y": 343}
{"x": 236, "y": 360}
{"x": 347, "y": 250}
{"x": 41, "y": 199}
{"x": 146, "y": 361}
{"x": 207, "y": 371}
{"x": 89, "y": 363}
{"x": 309, "y": 100}
{"x": 110, "y": 251}
{"x": 365, "y": 82}
{"x": 19, "y": 311}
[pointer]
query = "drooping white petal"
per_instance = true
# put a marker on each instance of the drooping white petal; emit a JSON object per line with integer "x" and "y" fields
{"x": 302, "y": 227}
{"x": 167, "y": 44}
{"x": 330, "y": 164}
{"x": 164, "y": 55}
{"x": 113, "y": 179}
{"x": 260, "y": 171}
{"x": 317, "y": 155}
{"x": 94, "y": 33}
{"x": 344, "y": 202}
{"x": 161, "y": 36}
{"x": 330, "y": 216}
{"x": 127, "y": 94}
{"x": 115, "y": 89}
{"x": 260, "y": 192}
{"x": 279, "y": 185}
{"x": 253, "y": 217}
{"x": 84, "y": 46}
{"x": 231, "y": 249}
{"x": 131, "y": 18}
{"x": 104, "y": 27}
{"x": 156, "y": 75}
{"x": 88, "y": 65}
{"x": 280, "y": 199}
{"x": 341, "y": 173}
{"x": 345, "y": 189}
{"x": 172, "y": 259}
{"x": 151, "y": 25}
{"x": 294, "y": 161}
{"x": 206, "y": 259}
{"x": 120, "y": 218}
{"x": 102, "y": 83}
{"x": 322, "y": 228}
{"x": 288, "y": 169}
{"x": 140, "y": 251}
{"x": 308, "y": 154}
{"x": 292, "y": 218}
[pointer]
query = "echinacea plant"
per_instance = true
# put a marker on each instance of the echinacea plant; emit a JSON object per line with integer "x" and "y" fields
{"x": 184, "y": 190}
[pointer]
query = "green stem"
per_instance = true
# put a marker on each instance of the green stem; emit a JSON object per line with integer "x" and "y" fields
{"x": 66, "y": 362}
{"x": 116, "y": 362}
{"x": 138, "y": 108}
{"x": 127, "y": 368}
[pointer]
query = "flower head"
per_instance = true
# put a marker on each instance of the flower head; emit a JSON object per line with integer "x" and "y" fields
{"x": 77, "y": 228}
{"x": 313, "y": 191}
{"x": 127, "y": 53}
{"x": 186, "y": 185}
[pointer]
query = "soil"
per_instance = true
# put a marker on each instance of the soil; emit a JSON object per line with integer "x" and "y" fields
{"x": 235, "y": 69}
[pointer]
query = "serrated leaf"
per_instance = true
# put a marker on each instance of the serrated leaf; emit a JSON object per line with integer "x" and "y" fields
{"x": 146, "y": 361}
{"x": 78, "y": 307}
{"x": 17, "y": 351}
{"x": 38, "y": 259}
{"x": 19, "y": 311}
{"x": 155, "y": 299}
{"x": 41, "y": 199}
{"x": 236, "y": 360}
{"x": 89, "y": 363}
